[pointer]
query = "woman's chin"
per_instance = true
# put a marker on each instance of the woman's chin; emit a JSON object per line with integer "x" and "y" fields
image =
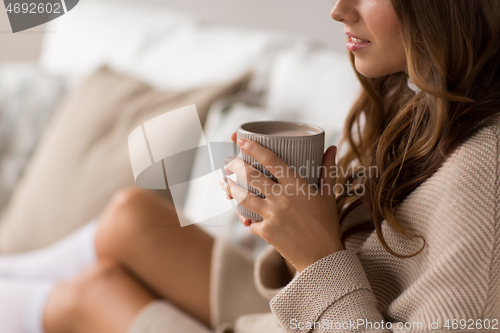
{"x": 372, "y": 74}
{"x": 373, "y": 69}
{"x": 368, "y": 70}
{"x": 368, "y": 74}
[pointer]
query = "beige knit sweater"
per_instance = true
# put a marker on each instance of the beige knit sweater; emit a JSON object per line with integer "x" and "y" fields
{"x": 452, "y": 285}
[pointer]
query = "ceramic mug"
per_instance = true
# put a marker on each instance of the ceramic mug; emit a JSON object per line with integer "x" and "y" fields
{"x": 300, "y": 145}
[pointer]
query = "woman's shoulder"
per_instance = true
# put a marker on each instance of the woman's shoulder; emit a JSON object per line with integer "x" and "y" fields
{"x": 490, "y": 128}
{"x": 468, "y": 179}
{"x": 479, "y": 154}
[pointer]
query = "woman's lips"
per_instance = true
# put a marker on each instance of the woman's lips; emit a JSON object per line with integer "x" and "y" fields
{"x": 350, "y": 34}
{"x": 354, "y": 44}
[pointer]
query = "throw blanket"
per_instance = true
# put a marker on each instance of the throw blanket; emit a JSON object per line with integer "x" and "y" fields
{"x": 27, "y": 98}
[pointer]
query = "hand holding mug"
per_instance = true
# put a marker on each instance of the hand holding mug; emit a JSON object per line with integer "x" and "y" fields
{"x": 303, "y": 228}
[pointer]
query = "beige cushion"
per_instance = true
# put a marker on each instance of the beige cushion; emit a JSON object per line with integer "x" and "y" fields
{"x": 83, "y": 156}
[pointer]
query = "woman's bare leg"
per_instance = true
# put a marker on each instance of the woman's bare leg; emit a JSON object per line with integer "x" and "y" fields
{"x": 103, "y": 299}
{"x": 140, "y": 231}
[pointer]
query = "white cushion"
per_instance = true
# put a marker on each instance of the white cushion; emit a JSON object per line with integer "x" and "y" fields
{"x": 150, "y": 42}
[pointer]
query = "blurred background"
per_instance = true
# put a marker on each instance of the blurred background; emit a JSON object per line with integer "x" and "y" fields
{"x": 73, "y": 89}
{"x": 308, "y": 18}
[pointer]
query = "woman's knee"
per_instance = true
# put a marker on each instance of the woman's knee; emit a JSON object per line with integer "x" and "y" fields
{"x": 128, "y": 214}
{"x": 70, "y": 301}
{"x": 82, "y": 300}
{"x": 83, "y": 288}
{"x": 131, "y": 202}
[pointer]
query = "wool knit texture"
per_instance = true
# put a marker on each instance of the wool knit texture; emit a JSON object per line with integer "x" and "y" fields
{"x": 455, "y": 277}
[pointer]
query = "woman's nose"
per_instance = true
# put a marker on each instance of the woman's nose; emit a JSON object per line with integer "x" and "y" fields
{"x": 344, "y": 11}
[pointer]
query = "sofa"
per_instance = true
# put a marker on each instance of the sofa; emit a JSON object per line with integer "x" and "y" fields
{"x": 65, "y": 119}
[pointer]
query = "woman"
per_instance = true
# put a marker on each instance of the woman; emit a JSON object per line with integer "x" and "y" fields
{"x": 418, "y": 250}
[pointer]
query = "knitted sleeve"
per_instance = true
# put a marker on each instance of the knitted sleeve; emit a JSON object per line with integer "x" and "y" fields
{"x": 456, "y": 286}
{"x": 331, "y": 292}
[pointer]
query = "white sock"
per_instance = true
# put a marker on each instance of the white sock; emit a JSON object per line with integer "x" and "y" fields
{"x": 22, "y": 304}
{"x": 59, "y": 261}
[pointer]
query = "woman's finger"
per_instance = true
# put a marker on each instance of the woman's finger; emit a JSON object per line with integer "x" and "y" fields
{"x": 272, "y": 162}
{"x": 246, "y": 222}
{"x": 251, "y": 176}
{"x": 224, "y": 187}
{"x": 246, "y": 198}
{"x": 228, "y": 160}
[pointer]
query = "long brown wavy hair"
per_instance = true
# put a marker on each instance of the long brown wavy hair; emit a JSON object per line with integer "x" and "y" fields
{"x": 453, "y": 55}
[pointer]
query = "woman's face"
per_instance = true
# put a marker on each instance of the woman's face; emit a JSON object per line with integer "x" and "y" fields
{"x": 379, "y": 50}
